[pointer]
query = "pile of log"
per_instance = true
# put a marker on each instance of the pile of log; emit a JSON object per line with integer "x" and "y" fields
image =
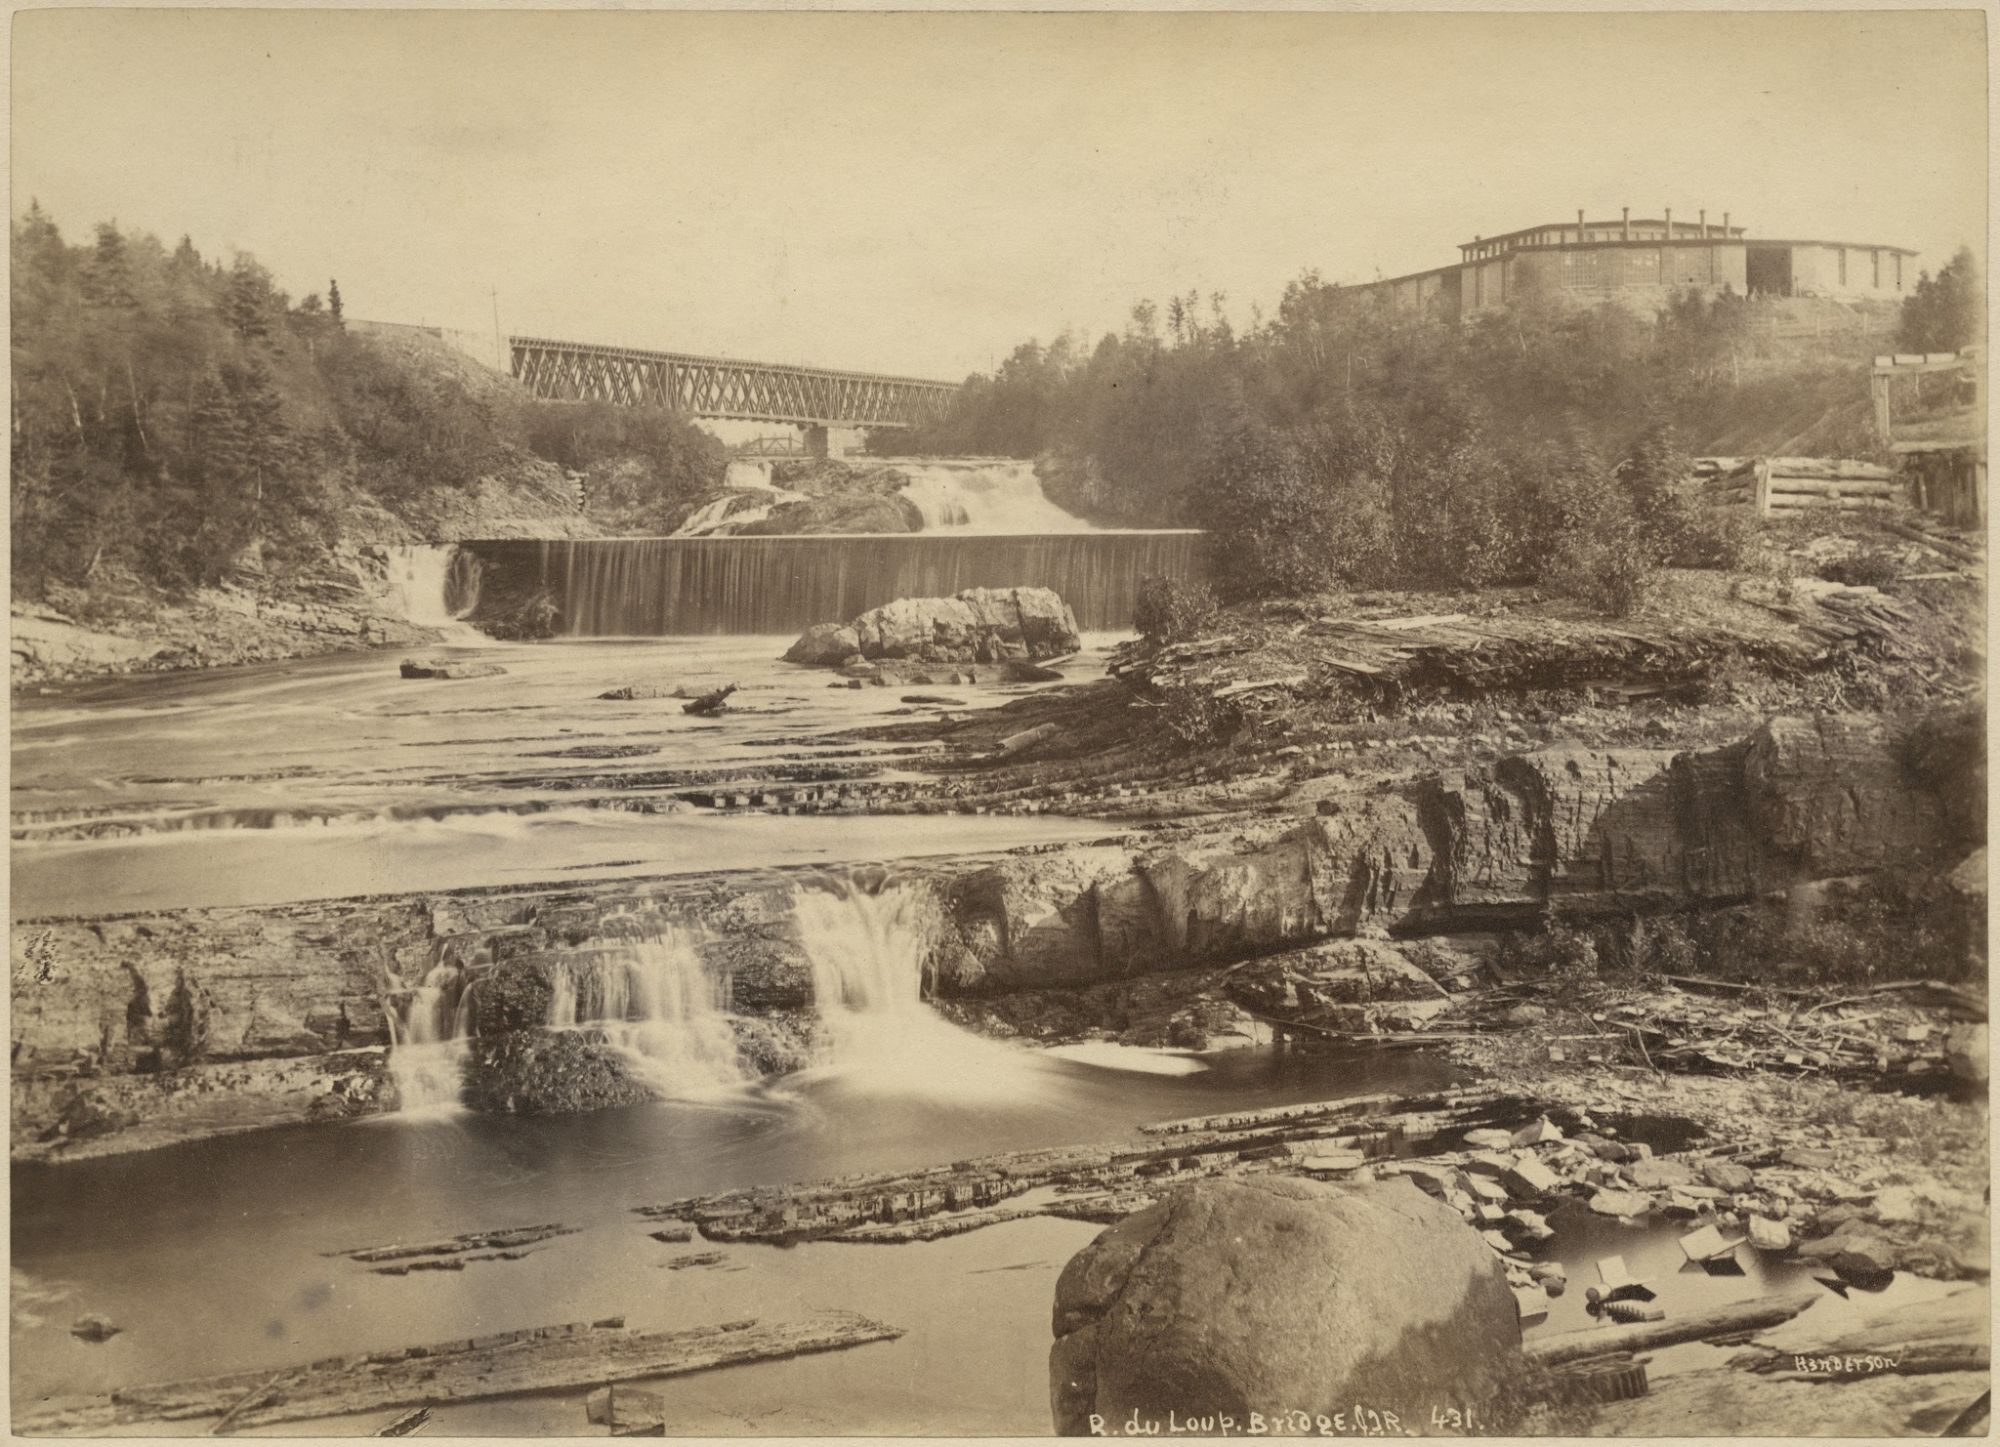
{"x": 1882, "y": 1033}
{"x": 1771, "y": 486}
{"x": 1316, "y": 654}
{"x": 1456, "y": 653}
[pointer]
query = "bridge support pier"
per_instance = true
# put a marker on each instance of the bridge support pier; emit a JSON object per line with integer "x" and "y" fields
{"x": 824, "y": 441}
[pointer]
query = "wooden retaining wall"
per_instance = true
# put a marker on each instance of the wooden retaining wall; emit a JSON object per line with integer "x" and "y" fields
{"x": 1778, "y": 485}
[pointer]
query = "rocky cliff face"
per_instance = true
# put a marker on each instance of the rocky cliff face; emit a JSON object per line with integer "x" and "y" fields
{"x": 1485, "y": 847}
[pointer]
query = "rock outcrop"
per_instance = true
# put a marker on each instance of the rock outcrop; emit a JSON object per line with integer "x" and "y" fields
{"x": 1279, "y": 1295}
{"x": 549, "y": 1072}
{"x": 980, "y": 625}
{"x": 1488, "y": 847}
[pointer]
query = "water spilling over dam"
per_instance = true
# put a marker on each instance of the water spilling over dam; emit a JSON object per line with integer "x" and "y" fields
{"x": 636, "y": 587}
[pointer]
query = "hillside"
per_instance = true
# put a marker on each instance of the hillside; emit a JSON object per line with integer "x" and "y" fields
{"x": 205, "y": 470}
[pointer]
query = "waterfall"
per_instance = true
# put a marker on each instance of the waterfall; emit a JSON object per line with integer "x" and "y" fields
{"x": 654, "y": 1003}
{"x": 624, "y": 587}
{"x": 984, "y": 496}
{"x": 747, "y": 472}
{"x": 867, "y": 953}
{"x": 734, "y": 511}
{"x": 429, "y": 1038}
{"x": 437, "y": 587}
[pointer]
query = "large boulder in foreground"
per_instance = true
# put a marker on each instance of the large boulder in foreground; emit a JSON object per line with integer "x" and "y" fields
{"x": 980, "y": 625}
{"x": 1274, "y": 1294}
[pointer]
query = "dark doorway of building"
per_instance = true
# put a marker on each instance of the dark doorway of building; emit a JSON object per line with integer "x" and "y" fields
{"x": 1767, "y": 270}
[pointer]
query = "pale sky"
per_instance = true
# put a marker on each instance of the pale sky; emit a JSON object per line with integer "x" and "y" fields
{"x": 917, "y": 193}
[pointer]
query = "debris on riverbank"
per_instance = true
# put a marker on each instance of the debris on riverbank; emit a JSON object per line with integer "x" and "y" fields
{"x": 504, "y": 1364}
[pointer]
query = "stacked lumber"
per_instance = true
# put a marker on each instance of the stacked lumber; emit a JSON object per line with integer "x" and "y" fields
{"x": 1455, "y": 653}
{"x": 1773, "y": 485}
{"x": 1885, "y": 1032}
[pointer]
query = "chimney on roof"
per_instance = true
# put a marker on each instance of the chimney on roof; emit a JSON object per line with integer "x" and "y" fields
{"x": 1579, "y": 226}
{"x": 1704, "y": 224}
{"x": 1625, "y": 226}
{"x": 1725, "y": 223}
{"x": 1670, "y": 223}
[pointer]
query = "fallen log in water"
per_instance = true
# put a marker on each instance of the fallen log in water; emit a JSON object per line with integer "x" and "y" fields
{"x": 709, "y": 703}
{"x": 506, "y": 1238}
{"x": 1737, "y": 1316}
{"x": 541, "y": 1359}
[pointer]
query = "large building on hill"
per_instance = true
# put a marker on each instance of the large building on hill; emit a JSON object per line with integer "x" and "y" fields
{"x": 1642, "y": 262}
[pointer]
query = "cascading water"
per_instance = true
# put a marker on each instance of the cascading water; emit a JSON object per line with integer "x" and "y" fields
{"x": 867, "y": 953}
{"x": 429, "y": 1036}
{"x": 655, "y": 1004}
{"x": 651, "y": 587}
{"x": 983, "y": 496}
{"x": 734, "y": 511}
{"x": 437, "y": 587}
{"x": 747, "y": 473}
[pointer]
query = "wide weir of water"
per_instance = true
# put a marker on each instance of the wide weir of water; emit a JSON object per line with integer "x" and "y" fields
{"x": 658, "y": 586}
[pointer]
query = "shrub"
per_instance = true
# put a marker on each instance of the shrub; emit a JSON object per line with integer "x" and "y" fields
{"x": 1608, "y": 568}
{"x": 1866, "y": 567}
{"x": 1170, "y": 609}
{"x": 1195, "y": 716}
{"x": 1695, "y": 536}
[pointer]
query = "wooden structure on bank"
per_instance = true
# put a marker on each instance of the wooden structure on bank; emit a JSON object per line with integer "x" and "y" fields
{"x": 1940, "y": 441}
{"x": 1778, "y": 485}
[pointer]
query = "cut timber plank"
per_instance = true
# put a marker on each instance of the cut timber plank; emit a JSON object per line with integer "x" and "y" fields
{"x": 1827, "y": 467}
{"x": 550, "y": 1358}
{"x": 1739, "y": 1316}
{"x": 1819, "y": 487}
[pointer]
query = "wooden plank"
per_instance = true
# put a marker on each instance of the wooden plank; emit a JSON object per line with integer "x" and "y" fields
{"x": 542, "y": 1359}
{"x": 1836, "y": 467}
{"x": 1799, "y": 486}
{"x": 1797, "y": 502}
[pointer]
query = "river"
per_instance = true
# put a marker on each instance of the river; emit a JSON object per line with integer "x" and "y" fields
{"x": 210, "y": 1255}
{"x": 335, "y": 776}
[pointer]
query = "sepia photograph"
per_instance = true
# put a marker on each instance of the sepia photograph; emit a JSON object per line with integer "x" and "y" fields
{"x": 890, "y": 723}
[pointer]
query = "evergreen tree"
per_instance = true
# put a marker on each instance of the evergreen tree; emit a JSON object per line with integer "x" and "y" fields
{"x": 248, "y": 301}
{"x": 109, "y": 280}
{"x": 333, "y": 303}
{"x": 1946, "y": 311}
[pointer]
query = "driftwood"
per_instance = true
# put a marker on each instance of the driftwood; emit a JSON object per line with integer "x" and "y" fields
{"x": 549, "y": 1358}
{"x": 507, "y": 1237}
{"x": 1461, "y": 655}
{"x": 407, "y": 1425}
{"x": 255, "y": 1397}
{"x": 709, "y": 703}
{"x": 1950, "y": 548}
{"x": 1737, "y": 1316}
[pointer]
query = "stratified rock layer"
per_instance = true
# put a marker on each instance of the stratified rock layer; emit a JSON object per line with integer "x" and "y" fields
{"x": 1476, "y": 849}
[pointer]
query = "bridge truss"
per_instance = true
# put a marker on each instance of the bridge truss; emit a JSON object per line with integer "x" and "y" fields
{"x": 721, "y": 388}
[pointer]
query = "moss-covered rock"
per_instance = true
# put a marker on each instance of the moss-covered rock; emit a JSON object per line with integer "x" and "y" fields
{"x": 549, "y": 1072}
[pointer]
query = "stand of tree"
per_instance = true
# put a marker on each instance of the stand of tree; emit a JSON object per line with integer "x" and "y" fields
{"x": 172, "y": 413}
{"x": 1340, "y": 442}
